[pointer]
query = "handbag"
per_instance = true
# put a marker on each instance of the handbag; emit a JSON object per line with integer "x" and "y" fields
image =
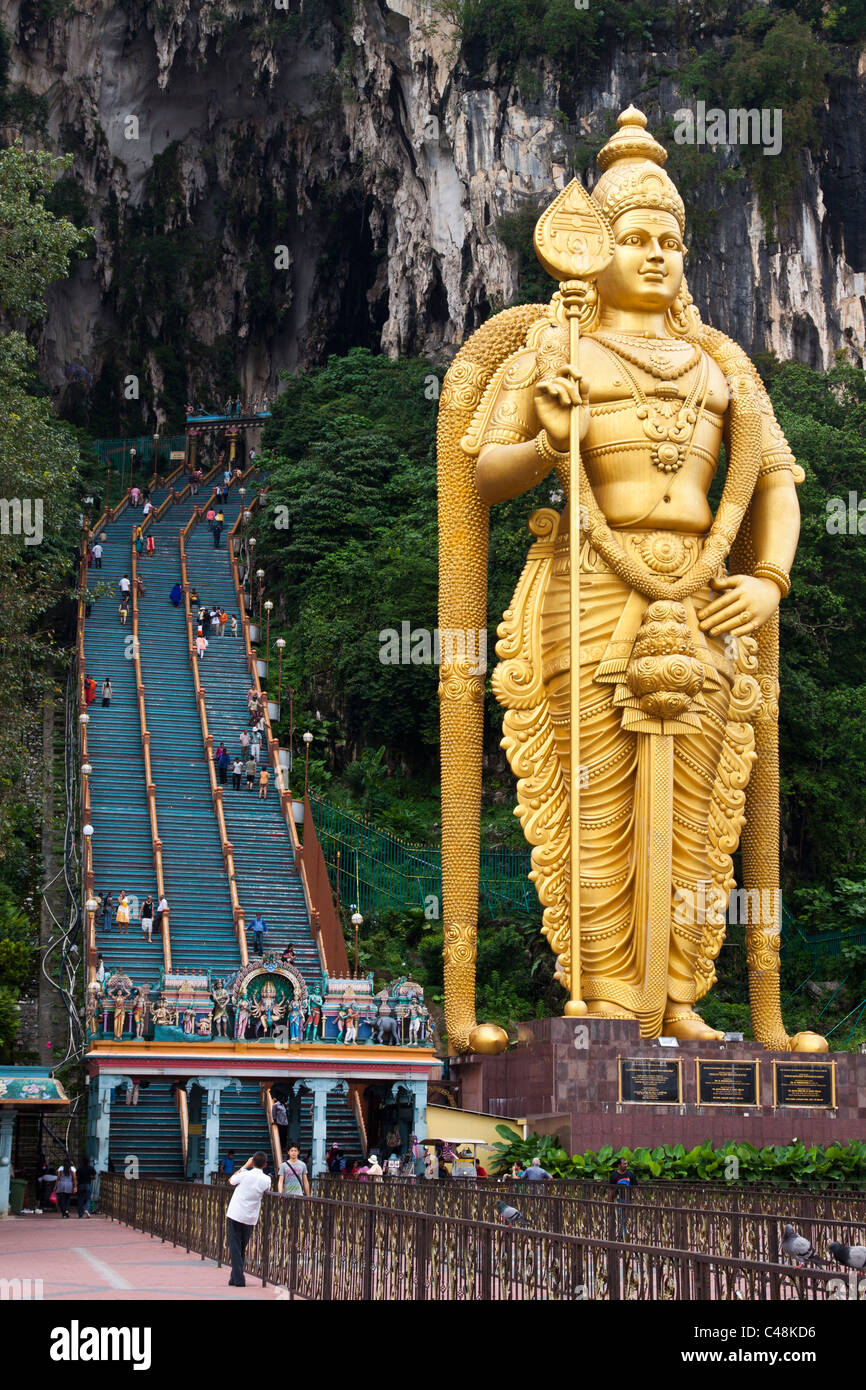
{"x": 53, "y": 1198}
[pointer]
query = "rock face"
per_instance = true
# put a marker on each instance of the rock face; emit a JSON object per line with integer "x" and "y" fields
{"x": 268, "y": 187}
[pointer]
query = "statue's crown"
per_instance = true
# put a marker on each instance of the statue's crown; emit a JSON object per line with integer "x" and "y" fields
{"x": 633, "y": 176}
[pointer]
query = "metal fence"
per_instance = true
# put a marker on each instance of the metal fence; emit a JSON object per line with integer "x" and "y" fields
{"x": 788, "y": 1203}
{"x": 381, "y": 872}
{"x": 728, "y": 1231}
{"x": 326, "y": 1249}
{"x": 115, "y": 453}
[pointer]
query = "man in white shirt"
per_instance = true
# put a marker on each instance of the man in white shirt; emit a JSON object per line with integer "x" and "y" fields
{"x": 250, "y": 1184}
{"x": 124, "y": 585}
{"x": 97, "y": 555}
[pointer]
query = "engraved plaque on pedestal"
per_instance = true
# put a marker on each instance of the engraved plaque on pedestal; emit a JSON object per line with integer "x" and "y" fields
{"x": 807, "y": 1085}
{"x": 728, "y": 1083}
{"x": 650, "y": 1080}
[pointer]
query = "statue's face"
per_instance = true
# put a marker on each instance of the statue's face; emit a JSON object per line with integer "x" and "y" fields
{"x": 647, "y": 267}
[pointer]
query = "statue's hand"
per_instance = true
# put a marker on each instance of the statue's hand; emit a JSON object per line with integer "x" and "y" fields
{"x": 744, "y": 605}
{"x": 554, "y": 401}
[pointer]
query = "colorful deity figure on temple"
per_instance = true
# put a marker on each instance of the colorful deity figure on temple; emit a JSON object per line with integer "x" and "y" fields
{"x": 139, "y": 1012}
{"x": 342, "y": 1015}
{"x": 119, "y": 997}
{"x": 242, "y": 1018}
{"x": 92, "y": 1009}
{"x": 414, "y": 1024}
{"x": 296, "y": 1021}
{"x": 351, "y": 1033}
{"x": 314, "y": 1017}
{"x": 220, "y": 1019}
{"x": 189, "y": 1020}
{"x": 268, "y": 1009}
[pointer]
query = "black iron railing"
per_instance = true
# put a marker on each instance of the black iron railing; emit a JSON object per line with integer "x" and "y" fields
{"x": 317, "y": 1248}
{"x": 732, "y": 1231}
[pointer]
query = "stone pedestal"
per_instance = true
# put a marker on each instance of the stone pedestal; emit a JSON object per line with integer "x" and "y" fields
{"x": 563, "y": 1078}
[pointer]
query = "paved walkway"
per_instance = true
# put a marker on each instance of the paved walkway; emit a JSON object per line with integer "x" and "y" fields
{"x": 104, "y": 1261}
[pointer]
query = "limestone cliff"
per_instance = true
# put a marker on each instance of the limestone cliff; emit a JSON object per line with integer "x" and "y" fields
{"x": 208, "y": 136}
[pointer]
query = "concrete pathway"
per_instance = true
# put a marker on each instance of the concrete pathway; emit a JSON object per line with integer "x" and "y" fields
{"x": 100, "y": 1260}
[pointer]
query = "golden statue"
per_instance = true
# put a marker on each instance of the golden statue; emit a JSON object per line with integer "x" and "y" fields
{"x": 665, "y": 736}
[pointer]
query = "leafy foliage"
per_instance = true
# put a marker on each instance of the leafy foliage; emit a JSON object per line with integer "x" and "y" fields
{"x": 39, "y": 473}
{"x": 784, "y": 1164}
{"x": 773, "y": 62}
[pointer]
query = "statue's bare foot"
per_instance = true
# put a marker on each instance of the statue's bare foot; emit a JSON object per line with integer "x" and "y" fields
{"x": 683, "y": 1023}
{"x": 602, "y": 1008}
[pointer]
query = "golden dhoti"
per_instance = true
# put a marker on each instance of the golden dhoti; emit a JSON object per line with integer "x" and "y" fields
{"x": 637, "y": 951}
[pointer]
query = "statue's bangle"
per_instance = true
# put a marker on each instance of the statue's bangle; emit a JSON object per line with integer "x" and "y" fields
{"x": 780, "y": 577}
{"x": 546, "y": 451}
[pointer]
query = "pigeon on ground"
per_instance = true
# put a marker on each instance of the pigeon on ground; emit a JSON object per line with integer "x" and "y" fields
{"x": 509, "y": 1216}
{"x": 852, "y": 1256}
{"x": 797, "y": 1246}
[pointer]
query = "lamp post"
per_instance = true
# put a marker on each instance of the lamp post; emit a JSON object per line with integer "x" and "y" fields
{"x": 357, "y": 923}
{"x": 131, "y": 467}
{"x": 291, "y": 724}
{"x": 308, "y": 738}
{"x": 268, "y": 606}
{"x": 156, "y": 454}
{"x": 280, "y": 644}
{"x": 260, "y": 576}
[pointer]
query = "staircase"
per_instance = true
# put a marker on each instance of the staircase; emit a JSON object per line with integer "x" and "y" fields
{"x": 122, "y": 847}
{"x": 263, "y": 853}
{"x": 342, "y": 1128}
{"x": 149, "y": 1131}
{"x": 201, "y": 926}
{"x": 244, "y": 1127}
{"x": 243, "y": 1124}
{"x": 200, "y": 910}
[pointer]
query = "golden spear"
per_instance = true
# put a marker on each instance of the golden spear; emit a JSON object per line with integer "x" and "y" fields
{"x": 574, "y": 243}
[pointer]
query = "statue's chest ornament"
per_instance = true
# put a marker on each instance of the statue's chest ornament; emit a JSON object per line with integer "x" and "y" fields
{"x": 669, "y": 429}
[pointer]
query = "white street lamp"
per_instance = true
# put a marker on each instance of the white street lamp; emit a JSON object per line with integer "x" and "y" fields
{"x": 357, "y": 923}
{"x": 308, "y": 738}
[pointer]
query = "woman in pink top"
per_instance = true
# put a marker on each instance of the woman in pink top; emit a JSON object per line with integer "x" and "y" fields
{"x": 135, "y": 496}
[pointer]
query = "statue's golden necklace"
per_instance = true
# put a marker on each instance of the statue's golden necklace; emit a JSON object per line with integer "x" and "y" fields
{"x": 653, "y": 360}
{"x": 670, "y": 435}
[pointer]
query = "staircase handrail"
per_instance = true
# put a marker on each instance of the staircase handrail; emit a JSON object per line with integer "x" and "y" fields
{"x": 181, "y": 1100}
{"x": 149, "y": 783}
{"x": 276, "y": 1146}
{"x": 284, "y": 792}
{"x": 354, "y": 1092}
{"x": 207, "y": 736}
{"x": 87, "y": 854}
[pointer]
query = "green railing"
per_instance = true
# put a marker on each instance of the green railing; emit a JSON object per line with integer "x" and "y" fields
{"x": 116, "y": 453}
{"x": 380, "y": 872}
